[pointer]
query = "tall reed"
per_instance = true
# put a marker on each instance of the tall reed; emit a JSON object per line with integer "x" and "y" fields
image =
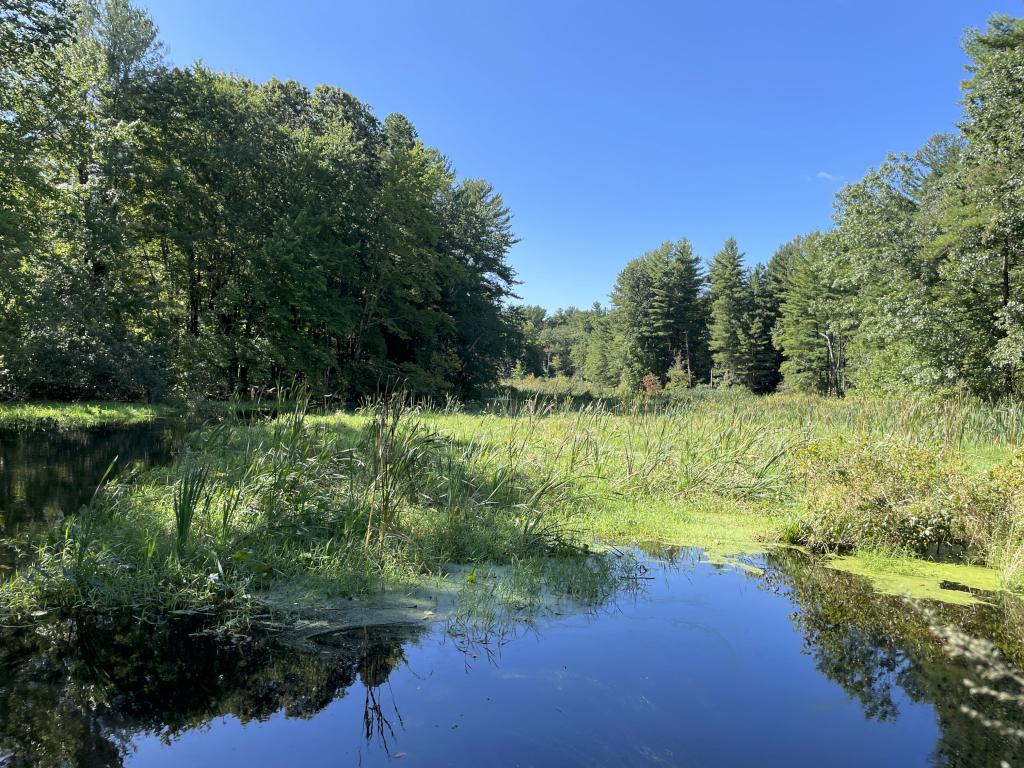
{"x": 397, "y": 442}
{"x": 192, "y": 496}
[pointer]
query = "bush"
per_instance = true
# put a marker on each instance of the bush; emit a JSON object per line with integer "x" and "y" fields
{"x": 887, "y": 496}
{"x": 1001, "y": 524}
{"x": 899, "y": 498}
{"x": 651, "y": 384}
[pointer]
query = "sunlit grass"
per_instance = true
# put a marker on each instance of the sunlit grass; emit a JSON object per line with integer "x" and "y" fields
{"x": 347, "y": 504}
{"x": 81, "y": 415}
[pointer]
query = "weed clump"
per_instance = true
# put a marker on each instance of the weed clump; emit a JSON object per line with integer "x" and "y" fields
{"x": 900, "y": 498}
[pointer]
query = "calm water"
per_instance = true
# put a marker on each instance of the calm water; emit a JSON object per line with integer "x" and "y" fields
{"x": 698, "y": 666}
{"x": 701, "y": 667}
{"x": 47, "y": 475}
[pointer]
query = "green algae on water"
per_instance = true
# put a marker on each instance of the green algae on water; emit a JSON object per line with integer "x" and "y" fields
{"x": 957, "y": 583}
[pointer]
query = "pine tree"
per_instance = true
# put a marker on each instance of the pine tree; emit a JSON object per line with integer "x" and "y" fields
{"x": 815, "y": 326}
{"x": 729, "y": 333}
{"x": 995, "y": 157}
{"x": 659, "y": 315}
{"x": 763, "y": 373}
{"x": 687, "y": 319}
{"x": 603, "y": 359}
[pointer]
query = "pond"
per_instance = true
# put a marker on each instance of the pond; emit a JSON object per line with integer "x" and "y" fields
{"x": 781, "y": 662}
{"x": 699, "y": 665}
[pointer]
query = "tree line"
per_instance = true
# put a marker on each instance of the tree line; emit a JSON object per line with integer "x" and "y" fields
{"x": 917, "y": 286}
{"x": 178, "y": 230}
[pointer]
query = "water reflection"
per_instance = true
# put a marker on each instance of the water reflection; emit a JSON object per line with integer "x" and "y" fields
{"x": 705, "y": 666}
{"x": 881, "y": 650}
{"x": 81, "y": 695}
{"x": 47, "y": 475}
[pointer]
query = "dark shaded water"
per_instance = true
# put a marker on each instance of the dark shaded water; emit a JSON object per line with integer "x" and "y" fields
{"x": 702, "y": 667}
{"x": 47, "y": 475}
{"x": 699, "y": 666}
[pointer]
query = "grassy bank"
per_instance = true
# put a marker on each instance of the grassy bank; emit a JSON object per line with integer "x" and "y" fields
{"x": 881, "y": 487}
{"x": 80, "y": 415}
{"x": 307, "y": 510}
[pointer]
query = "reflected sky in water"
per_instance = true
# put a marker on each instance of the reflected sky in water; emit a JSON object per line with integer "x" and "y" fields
{"x": 705, "y": 667}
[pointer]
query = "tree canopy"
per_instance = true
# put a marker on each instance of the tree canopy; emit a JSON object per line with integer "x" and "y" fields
{"x": 179, "y": 230}
{"x": 916, "y": 287}
{"x": 168, "y": 229}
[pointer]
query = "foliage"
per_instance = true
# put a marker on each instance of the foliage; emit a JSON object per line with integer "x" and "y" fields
{"x": 200, "y": 234}
{"x": 897, "y": 497}
{"x": 730, "y": 304}
{"x": 658, "y": 314}
{"x": 878, "y": 496}
{"x": 813, "y": 328}
{"x": 340, "y": 504}
{"x": 915, "y": 288}
{"x": 337, "y": 505}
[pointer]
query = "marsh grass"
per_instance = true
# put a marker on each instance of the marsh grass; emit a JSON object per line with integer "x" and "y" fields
{"x": 1009, "y": 560}
{"x": 396, "y": 448}
{"x": 80, "y": 415}
{"x": 955, "y": 420}
{"x": 343, "y": 504}
{"x": 337, "y": 505}
{"x": 191, "y": 496}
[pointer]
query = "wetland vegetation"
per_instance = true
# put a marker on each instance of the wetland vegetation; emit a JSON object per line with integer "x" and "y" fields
{"x": 338, "y": 504}
{"x": 58, "y": 416}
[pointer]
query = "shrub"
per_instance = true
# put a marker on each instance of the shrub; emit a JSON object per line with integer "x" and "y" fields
{"x": 651, "y": 383}
{"x": 1001, "y": 520}
{"x": 886, "y": 496}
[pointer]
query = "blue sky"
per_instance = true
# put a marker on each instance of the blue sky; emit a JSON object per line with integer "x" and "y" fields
{"x": 611, "y": 127}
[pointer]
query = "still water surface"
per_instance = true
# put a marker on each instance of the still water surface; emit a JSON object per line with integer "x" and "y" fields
{"x": 705, "y": 669}
{"x": 702, "y": 666}
{"x": 45, "y": 475}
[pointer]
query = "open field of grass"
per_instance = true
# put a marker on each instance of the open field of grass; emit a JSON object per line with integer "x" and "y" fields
{"x": 323, "y": 507}
{"x": 893, "y": 485}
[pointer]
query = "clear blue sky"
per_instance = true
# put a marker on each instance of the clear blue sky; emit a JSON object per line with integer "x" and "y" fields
{"x": 611, "y": 127}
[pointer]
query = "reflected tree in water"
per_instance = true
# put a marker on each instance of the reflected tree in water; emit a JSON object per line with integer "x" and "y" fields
{"x": 880, "y": 648}
{"x": 80, "y": 695}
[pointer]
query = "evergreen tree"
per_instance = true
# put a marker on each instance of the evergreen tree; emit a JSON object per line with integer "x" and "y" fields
{"x": 635, "y": 335}
{"x": 731, "y": 305}
{"x": 814, "y": 328}
{"x": 603, "y": 363}
{"x": 764, "y": 363}
{"x": 658, "y": 313}
{"x": 683, "y": 318}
